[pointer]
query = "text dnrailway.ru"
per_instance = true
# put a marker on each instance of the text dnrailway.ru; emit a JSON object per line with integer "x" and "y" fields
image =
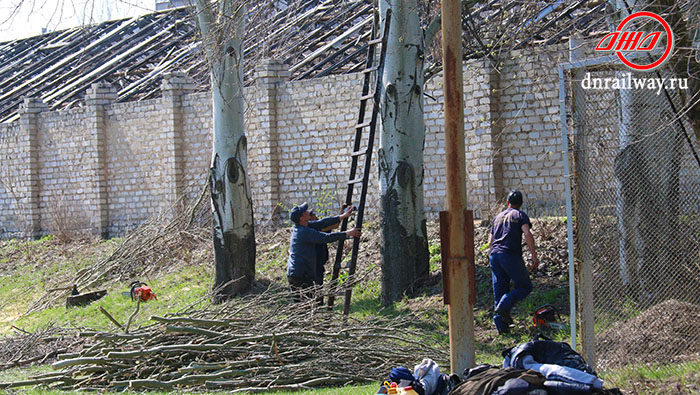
{"x": 631, "y": 82}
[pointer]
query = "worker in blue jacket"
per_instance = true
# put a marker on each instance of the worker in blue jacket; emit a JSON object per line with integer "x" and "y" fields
{"x": 326, "y": 225}
{"x": 301, "y": 266}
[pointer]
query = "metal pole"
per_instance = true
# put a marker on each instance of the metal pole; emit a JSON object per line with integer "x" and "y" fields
{"x": 460, "y": 262}
{"x": 567, "y": 191}
{"x": 583, "y": 205}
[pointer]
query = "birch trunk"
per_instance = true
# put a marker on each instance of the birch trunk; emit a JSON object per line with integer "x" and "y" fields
{"x": 404, "y": 245}
{"x": 234, "y": 236}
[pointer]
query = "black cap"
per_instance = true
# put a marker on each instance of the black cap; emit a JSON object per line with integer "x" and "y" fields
{"x": 296, "y": 212}
{"x": 515, "y": 198}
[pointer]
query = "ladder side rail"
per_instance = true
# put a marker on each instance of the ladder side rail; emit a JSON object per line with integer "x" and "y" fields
{"x": 353, "y": 167}
{"x": 368, "y": 160}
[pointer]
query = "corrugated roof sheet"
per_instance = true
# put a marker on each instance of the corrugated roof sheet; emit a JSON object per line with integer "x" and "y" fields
{"x": 314, "y": 37}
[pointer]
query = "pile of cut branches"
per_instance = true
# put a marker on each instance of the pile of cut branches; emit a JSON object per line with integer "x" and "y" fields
{"x": 42, "y": 346}
{"x": 256, "y": 343}
{"x": 154, "y": 244}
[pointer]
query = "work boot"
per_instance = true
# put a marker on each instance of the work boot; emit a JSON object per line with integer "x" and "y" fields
{"x": 505, "y": 316}
{"x": 501, "y": 325}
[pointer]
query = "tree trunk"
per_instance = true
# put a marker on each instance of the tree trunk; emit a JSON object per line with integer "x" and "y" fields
{"x": 685, "y": 62}
{"x": 647, "y": 168}
{"x": 234, "y": 236}
{"x": 404, "y": 245}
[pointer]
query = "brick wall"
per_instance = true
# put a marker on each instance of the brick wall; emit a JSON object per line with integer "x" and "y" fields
{"x": 531, "y": 133}
{"x": 13, "y": 216}
{"x": 64, "y": 159}
{"x": 115, "y": 164}
{"x": 135, "y": 150}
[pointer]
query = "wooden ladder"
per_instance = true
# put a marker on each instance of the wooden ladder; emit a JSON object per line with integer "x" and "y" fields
{"x": 363, "y": 150}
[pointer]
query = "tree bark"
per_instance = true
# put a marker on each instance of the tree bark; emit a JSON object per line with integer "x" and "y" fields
{"x": 234, "y": 233}
{"x": 685, "y": 61}
{"x": 647, "y": 168}
{"x": 404, "y": 244}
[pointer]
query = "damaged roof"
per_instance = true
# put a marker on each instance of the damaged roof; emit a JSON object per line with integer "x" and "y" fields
{"x": 314, "y": 37}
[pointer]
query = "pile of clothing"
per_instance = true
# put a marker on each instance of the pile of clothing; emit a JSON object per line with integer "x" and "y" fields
{"x": 539, "y": 367}
{"x": 425, "y": 379}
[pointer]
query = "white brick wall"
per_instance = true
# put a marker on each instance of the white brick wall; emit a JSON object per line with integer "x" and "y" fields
{"x": 299, "y": 140}
{"x": 12, "y": 170}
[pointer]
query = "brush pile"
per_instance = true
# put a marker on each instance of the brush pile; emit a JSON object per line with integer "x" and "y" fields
{"x": 664, "y": 333}
{"x": 259, "y": 342}
{"x": 166, "y": 240}
{"x": 39, "y": 347}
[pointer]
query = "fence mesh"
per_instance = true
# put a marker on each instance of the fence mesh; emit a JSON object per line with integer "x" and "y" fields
{"x": 636, "y": 194}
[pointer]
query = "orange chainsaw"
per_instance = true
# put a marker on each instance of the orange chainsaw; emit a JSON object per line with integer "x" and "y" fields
{"x": 547, "y": 317}
{"x": 141, "y": 292}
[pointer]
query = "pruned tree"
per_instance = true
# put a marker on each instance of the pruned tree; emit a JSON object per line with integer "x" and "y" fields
{"x": 404, "y": 245}
{"x": 222, "y": 25}
{"x": 648, "y": 164}
{"x": 684, "y": 19}
{"x": 405, "y": 257}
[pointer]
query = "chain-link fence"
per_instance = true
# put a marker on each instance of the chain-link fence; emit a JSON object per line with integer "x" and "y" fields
{"x": 635, "y": 187}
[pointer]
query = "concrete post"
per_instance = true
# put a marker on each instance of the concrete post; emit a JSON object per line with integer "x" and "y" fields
{"x": 29, "y": 176}
{"x": 174, "y": 86}
{"x": 97, "y": 99}
{"x": 266, "y": 173}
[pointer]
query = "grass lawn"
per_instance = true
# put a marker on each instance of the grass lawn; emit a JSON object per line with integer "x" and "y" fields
{"x": 30, "y": 268}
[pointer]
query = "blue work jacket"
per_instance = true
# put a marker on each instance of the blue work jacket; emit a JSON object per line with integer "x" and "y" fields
{"x": 302, "y": 250}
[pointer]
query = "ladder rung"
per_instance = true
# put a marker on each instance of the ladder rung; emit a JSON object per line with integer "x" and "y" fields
{"x": 363, "y": 125}
{"x": 360, "y": 152}
{"x": 376, "y": 41}
{"x": 356, "y": 181}
{"x": 371, "y": 69}
{"x": 365, "y": 97}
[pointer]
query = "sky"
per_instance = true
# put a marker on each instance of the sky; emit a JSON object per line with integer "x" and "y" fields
{"x": 26, "y": 18}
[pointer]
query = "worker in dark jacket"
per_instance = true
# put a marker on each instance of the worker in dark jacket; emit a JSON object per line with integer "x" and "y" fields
{"x": 301, "y": 267}
{"x": 326, "y": 225}
{"x": 506, "y": 259}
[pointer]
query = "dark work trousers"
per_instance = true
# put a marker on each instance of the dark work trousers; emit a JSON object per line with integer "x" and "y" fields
{"x": 304, "y": 288}
{"x": 504, "y": 268}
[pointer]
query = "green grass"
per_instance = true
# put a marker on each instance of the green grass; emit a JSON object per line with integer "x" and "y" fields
{"x": 629, "y": 377}
{"x": 45, "y": 260}
{"x": 175, "y": 291}
{"x": 17, "y": 374}
{"x": 435, "y": 256}
{"x": 183, "y": 287}
{"x": 536, "y": 299}
{"x": 29, "y": 268}
{"x": 32, "y": 267}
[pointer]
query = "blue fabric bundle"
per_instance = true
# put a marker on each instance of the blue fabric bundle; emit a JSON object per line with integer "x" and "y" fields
{"x": 401, "y": 373}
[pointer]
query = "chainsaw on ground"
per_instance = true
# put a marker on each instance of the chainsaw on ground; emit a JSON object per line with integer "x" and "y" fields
{"x": 547, "y": 317}
{"x": 140, "y": 292}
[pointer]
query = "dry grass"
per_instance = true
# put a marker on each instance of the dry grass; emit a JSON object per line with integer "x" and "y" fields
{"x": 664, "y": 333}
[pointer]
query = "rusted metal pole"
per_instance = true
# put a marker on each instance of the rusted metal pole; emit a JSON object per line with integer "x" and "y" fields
{"x": 458, "y": 267}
